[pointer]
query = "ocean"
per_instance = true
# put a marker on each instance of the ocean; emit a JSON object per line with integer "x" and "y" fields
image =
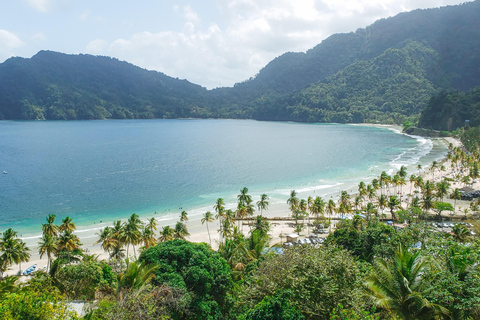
{"x": 100, "y": 171}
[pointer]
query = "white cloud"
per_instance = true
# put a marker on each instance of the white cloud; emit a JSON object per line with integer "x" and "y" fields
{"x": 8, "y": 42}
{"x": 96, "y": 46}
{"x": 256, "y": 31}
{"x": 40, "y": 5}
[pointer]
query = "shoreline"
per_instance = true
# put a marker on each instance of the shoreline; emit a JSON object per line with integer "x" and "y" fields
{"x": 197, "y": 230}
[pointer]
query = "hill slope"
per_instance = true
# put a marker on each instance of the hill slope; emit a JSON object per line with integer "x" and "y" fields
{"x": 386, "y": 72}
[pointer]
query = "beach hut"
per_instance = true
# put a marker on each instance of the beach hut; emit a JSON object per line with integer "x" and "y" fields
{"x": 292, "y": 237}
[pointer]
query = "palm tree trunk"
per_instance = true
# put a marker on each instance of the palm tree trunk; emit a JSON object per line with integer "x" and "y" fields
{"x": 209, "y": 239}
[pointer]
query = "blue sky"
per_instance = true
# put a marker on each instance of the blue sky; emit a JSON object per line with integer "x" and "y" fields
{"x": 211, "y": 42}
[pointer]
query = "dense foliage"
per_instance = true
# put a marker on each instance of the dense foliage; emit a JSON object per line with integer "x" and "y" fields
{"x": 196, "y": 268}
{"x": 449, "y": 110}
{"x": 385, "y": 72}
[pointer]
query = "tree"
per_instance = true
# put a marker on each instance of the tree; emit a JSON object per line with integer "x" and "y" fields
{"x": 68, "y": 241}
{"x": 67, "y": 224}
{"x": 184, "y": 216}
{"x": 456, "y": 195}
{"x": 47, "y": 245}
{"x": 148, "y": 237}
{"x": 202, "y": 273}
{"x": 319, "y": 279}
{"x": 166, "y": 234}
{"x": 399, "y": 288}
{"x": 460, "y": 232}
{"x": 180, "y": 231}
{"x": 244, "y": 197}
{"x": 132, "y": 232}
{"x": 82, "y": 280}
{"x": 442, "y": 206}
{"x": 208, "y": 217}
{"x": 393, "y": 204}
{"x": 293, "y": 201}
{"x": 50, "y": 227}
{"x": 14, "y": 250}
{"x": 276, "y": 307}
{"x": 136, "y": 275}
{"x": 263, "y": 203}
{"x": 152, "y": 224}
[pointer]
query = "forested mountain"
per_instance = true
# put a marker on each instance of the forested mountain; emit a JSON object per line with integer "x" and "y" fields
{"x": 448, "y": 110}
{"x": 59, "y": 86}
{"x": 386, "y": 72}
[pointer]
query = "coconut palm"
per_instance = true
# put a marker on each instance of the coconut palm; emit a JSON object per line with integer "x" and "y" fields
{"x": 50, "y": 227}
{"x": 460, "y": 232}
{"x": 152, "y": 224}
{"x": 442, "y": 189}
{"x": 318, "y": 207}
{"x": 456, "y": 195}
{"x": 67, "y": 224}
{"x": 68, "y": 241}
{"x": 402, "y": 172}
{"x": 293, "y": 201}
{"x": 208, "y": 217}
{"x": 180, "y": 231}
{"x": 241, "y": 213}
{"x": 382, "y": 202}
{"x": 132, "y": 232}
{"x": 14, "y": 250}
{"x": 399, "y": 289}
{"x": 148, "y": 237}
{"x": 263, "y": 203}
{"x": 47, "y": 245}
{"x": 393, "y": 203}
{"x": 244, "y": 197}
{"x": 184, "y": 216}
{"x": 166, "y": 234}
{"x": 136, "y": 276}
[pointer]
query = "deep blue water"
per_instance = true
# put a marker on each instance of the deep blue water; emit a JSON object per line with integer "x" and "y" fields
{"x": 101, "y": 170}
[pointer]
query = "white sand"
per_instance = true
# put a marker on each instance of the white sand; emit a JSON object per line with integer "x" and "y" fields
{"x": 199, "y": 232}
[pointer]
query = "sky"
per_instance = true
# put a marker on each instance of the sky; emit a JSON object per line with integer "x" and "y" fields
{"x": 213, "y": 43}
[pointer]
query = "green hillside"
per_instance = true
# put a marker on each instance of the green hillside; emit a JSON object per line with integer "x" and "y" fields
{"x": 386, "y": 72}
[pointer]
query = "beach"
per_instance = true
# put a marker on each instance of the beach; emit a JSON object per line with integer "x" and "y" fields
{"x": 279, "y": 228}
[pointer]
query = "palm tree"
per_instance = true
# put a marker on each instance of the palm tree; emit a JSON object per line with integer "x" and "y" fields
{"x": 419, "y": 168}
{"x": 331, "y": 211}
{"x": 344, "y": 205}
{"x": 166, "y": 234}
{"x": 433, "y": 167}
{"x": 393, "y": 204}
{"x": 442, "y": 189}
{"x": 382, "y": 202}
{"x": 67, "y": 224}
{"x": 208, "y": 217}
{"x": 402, "y": 172}
{"x": 244, "y": 197}
{"x": 184, "y": 216}
{"x": 180, "y": 231}
{"x": 460, "y": 232}
{"x": 318, "y": 207}
{"x": 152, "y": 225}
{"x": 148, "y": 237}
{"x": 293, "y": 201}
{"x": 14, "y": 250}
{"x": 50, "y": 227}
{"x": 456, "y": 195}
{"x": 263, "y": 203}
{"x": 398, "y": 289}
{"x": 132, "y": 232}
{"x": 241, "y": 213}
{"x": 68, "y": 241}
{"x": 136, "y": 276}
{"x": 47, "y": 245}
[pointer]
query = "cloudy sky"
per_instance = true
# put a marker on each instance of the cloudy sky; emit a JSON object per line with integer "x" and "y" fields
{"x": 209, "y": 42}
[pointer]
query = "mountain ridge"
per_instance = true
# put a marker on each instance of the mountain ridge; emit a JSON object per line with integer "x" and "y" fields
{"x": 53, "y": 85}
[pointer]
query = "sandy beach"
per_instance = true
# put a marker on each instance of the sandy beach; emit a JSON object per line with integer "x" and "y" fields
{"x": 198, "y": 232}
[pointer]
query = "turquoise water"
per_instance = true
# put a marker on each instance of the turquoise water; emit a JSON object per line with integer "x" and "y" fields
{"x": 98, "y": 171}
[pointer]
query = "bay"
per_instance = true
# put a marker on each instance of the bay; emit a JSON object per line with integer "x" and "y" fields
{"x": 98, "y": 171}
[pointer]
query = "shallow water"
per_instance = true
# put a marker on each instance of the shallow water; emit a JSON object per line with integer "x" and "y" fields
{"x": 99, "y": 171}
